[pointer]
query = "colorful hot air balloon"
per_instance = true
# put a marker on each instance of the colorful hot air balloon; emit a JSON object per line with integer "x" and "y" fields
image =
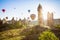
{"x": 32, "y": 16}
{"x": 3, "y": 10}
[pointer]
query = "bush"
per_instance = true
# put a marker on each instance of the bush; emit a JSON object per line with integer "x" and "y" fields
{"x": 57, "y": 26}
{"x": 47, "y": 35}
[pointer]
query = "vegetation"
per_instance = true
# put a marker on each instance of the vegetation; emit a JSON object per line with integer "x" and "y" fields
{"x": 11, "y": 31}
{"x": 20, "y": 31}
{"x": 47, "y": 35}
{"x": 13, "y": 34}
{"x": 16, "y": 25}
{"x": 57, "y": 26}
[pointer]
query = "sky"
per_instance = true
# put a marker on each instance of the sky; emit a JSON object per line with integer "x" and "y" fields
{"x": 19, "y": 8}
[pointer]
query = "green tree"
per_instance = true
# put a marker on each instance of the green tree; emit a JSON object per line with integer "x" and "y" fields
{"x": 47, "y": 35}
{"x": 57, "y": 26}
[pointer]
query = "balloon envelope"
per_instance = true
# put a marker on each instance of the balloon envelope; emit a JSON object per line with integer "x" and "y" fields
{"x": 27, "y": 17}
{"x": 3, "y": 10}
{"x": 6, "y": 17}
{"x": 28, "y": 10}
{"x": 32, "y": 16}
{"x": 14, "y": 8}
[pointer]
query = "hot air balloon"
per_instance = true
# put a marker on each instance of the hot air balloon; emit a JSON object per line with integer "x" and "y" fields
{"x": 29, "y": 11}
{"x": 14, "y": 8}
{"x": 21, "y": 13}
{"x": 32, "y": 16}
{"x": 27, "y": 17}
{"x": 3, "y": 10}
{"x": 6, "y": 17}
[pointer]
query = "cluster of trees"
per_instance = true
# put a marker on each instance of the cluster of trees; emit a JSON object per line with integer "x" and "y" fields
{"x": 48, "y": 35}
{"x": 28, "y": 34}
{"x": 57, "y": 26}
{"x": 34, "y": 33}
{"x": 16, "y": 25}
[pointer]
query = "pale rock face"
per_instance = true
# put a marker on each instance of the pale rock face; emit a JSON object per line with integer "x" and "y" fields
{"x": 40, "y": 18}
{"x": 50, "y": 19}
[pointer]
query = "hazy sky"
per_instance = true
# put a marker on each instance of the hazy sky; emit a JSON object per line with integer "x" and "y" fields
{"x": 19, "y": 8}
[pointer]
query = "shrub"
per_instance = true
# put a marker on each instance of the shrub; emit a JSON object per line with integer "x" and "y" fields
{"x": 47, "y": 35}
{"x": 57, "y": 26}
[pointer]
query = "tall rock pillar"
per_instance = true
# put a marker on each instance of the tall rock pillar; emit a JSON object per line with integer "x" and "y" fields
{"x": 40, "y": 18}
